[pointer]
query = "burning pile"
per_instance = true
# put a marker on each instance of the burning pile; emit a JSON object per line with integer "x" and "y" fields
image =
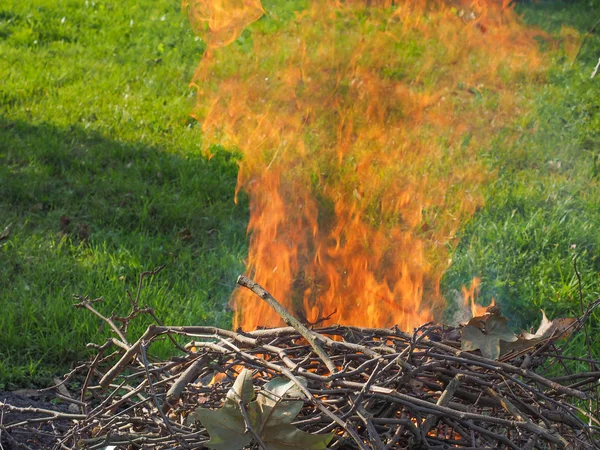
{"x": 337, "y": 387}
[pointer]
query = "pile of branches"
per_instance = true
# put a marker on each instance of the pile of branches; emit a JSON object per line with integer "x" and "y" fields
{"x": 336, "y": 387}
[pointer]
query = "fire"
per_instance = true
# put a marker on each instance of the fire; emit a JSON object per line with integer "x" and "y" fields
{"x": 468, "y": 296}
{"x": 361, "y": 128}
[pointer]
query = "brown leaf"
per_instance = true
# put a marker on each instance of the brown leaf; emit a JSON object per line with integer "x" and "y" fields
{"x": 562, "y": 327}
{"x": 84, "y": 232}
{"x": 185, "y": 235}
{"x": 556, "y": 329}
{"x": 64, "y": 222}
{"x": 485, "y": 333}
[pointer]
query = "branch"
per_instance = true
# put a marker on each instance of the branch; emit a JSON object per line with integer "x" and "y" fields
{"x": 288, "y": 318}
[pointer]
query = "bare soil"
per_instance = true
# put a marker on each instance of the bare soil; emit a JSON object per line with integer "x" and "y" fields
{"x": 39, "y": 436}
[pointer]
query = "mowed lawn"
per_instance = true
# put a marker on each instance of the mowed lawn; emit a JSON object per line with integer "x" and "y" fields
{"x": 95, "y": 128}
{"x": 543, "y": 210}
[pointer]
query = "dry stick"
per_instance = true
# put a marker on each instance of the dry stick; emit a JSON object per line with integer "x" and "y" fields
{"x": 511, "y": 369}
{"x": 287, "y": 318}
{"x": 68, "y": 376}
{"x": 143, "y": 275}
{"x": 364, "y": 390}
{"x": 153, "y": 392}
{"x": 152, "y": 314}
{"x": 15, "y": 443}
{"x": 249, "y": 428}
{"x": 406, "y": 424}
{"x": 432, "y": 408}
{"x": 87, "y": 304}
{"x": 444, "y": 400}
{"x": 373, "y": 434}
{"x": 150, "y": 333}
{"x": 514, "y": 411}
{"x": 135, "y": 303}
{"x": 88, "y": 376}
{"x": 116, "y": 416}
{"x": 596, "y": 69}
{"x": 51, "y": 415}
{"x": 591, "y": 30}
{"x": 189, "y": 375}
{"x": 587, "y": 337}
{"x": 513, "y": 379}
{"x": 1, "y": 426}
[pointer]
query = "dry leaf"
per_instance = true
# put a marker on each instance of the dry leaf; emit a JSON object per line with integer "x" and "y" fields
{"x": 484, "y": 333}
{"x": 557, "y": 329}
{"x": 270, "y": 416}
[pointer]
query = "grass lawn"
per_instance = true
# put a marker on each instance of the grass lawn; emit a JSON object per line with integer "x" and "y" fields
{"x": 95, "y": 127}
{"x": 543, "y": 210}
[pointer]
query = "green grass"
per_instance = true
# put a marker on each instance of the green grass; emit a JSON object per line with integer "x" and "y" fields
{"x": 94, "y": 125}
{"x": 543, "y": 210}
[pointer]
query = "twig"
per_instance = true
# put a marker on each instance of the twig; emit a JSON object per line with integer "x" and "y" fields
{"x": 373, "y": 434}
{"x": 189, "y": 375}
{"x": 512, "y": 409}
{"x": 249, "y": 428}
{"x": 143, "y": 346}
{"x": 444, "y": 400}
{"x": 150, "y": 333}
{"x": 584, "y": 325}
{"x": 596, "y": 69}
{"x": 50, "y": 415}
{"x": 588, "y": 34}
{"x": 2, "y": 426}
{"x": 512, "y": 369}
{"x": 287, "y": 318}
{"x": 84, "y": 302}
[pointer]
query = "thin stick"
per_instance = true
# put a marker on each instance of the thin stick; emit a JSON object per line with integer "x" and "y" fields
{"x": 591, "y": 30}
{"x": 84, "y": 302}
{"x": 587, "y": 337}
{"x": 514, "y": 411}
{"x": 249, "y": 428}
{"x": 151, "y": 332}
{"x": 444, "y": 400}
{"x": 595, "y": 69}
{"x": 189, "y": 375}
{"x": 287, "y": 318}
{"x": 50, "y": 415}
{"x": 511, "y": 369}
{"x": 1, "y": 426}
{"x": 153, "y": 391}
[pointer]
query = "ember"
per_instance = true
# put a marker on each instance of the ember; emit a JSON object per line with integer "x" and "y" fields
{"x": 361, "y": 129}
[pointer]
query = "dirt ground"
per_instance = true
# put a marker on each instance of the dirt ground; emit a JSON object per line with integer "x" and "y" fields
{"x": 39, "y": 435}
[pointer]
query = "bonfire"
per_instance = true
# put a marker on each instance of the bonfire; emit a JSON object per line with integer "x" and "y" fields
{"x": 477, "y": 386}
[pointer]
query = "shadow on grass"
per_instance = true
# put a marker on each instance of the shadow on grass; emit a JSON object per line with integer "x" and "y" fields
{"x": 141, "y": 206}
{"x": 48, "y": 172}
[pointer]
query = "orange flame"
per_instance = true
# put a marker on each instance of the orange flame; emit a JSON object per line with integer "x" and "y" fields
{"x": 469, "y": 294}
{"x": 222, "y": 21}
{"x": 360, "y": 129}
